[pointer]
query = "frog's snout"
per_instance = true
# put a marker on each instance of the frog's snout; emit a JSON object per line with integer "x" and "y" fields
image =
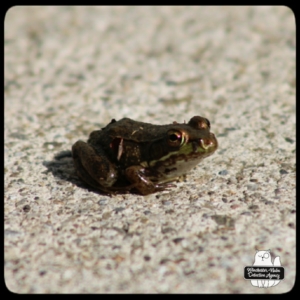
{"x": 209, "y": 144}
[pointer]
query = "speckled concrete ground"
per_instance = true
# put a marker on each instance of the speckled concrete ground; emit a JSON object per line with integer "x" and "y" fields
{"x": 70, "y": 70}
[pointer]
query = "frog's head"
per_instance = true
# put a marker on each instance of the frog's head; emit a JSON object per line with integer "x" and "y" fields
{"x": 193, "y": 138}
{"x": 184, "y": 146}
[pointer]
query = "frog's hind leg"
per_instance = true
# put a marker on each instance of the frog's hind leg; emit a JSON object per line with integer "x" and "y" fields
{"x": 93, "y": 168}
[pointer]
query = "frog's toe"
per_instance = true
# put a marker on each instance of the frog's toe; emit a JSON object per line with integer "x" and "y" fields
{"x": 164, "y": 186}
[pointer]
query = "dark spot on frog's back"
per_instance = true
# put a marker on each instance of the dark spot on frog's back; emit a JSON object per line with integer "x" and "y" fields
{"x": 111, "y": 122}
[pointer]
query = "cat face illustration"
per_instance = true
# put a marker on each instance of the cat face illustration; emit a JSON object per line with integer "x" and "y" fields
{"x": 263, "y": 257}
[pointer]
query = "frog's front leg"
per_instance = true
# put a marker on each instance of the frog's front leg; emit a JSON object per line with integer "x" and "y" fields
{"x": 135, "y": 175}
{"x": 93, "y": 167}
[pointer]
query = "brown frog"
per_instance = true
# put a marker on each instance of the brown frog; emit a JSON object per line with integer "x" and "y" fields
{"x": 129, "y": 155}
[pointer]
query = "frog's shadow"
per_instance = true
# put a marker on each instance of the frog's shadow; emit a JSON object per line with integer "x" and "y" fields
{"x": 62, "y": 167}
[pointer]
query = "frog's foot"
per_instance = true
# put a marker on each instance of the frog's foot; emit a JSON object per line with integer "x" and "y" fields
{"x": 164, "y": 186}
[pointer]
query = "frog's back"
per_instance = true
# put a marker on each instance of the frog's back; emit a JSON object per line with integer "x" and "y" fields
{"x": 136, "y": 131}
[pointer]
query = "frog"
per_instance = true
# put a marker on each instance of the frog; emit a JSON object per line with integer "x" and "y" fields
{"x": 131, "y": 156}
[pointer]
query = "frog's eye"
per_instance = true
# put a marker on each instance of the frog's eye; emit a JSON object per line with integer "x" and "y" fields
{"x": 175, "y": 138}
{"x": 198, "y": 122}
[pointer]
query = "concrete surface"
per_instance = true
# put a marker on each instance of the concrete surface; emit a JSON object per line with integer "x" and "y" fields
{"x": 70, "y": 70}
